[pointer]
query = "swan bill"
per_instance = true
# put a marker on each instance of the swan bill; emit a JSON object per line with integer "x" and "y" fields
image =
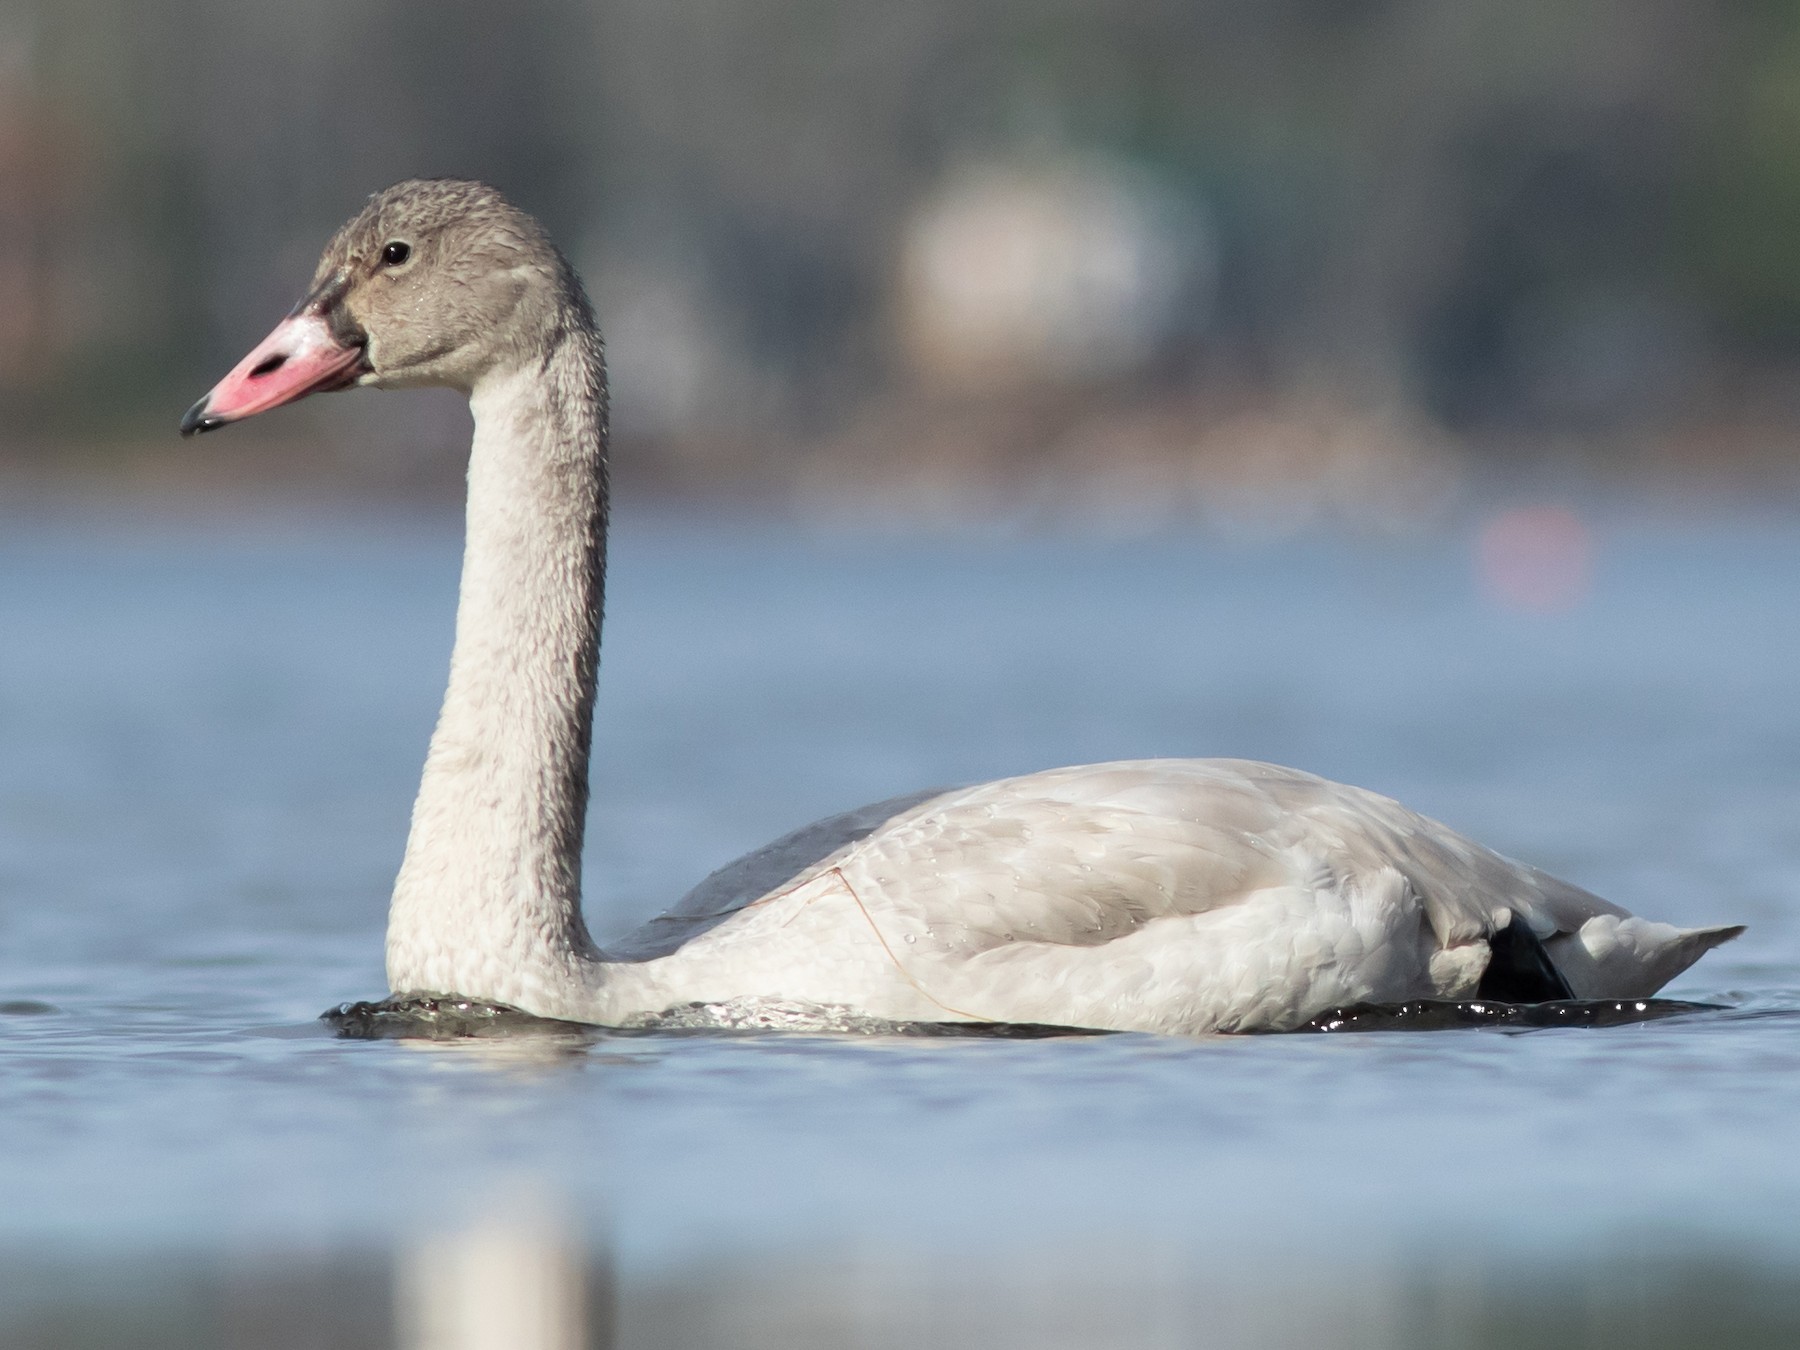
{"x": 305, "y": 355}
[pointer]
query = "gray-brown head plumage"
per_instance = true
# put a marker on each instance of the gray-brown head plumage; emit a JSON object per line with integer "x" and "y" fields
{"x": 436, "y": 281}
{"x": 445, "y": 278}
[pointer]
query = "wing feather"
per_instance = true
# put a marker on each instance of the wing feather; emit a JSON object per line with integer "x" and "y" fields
{"x": 1085, "y": 856}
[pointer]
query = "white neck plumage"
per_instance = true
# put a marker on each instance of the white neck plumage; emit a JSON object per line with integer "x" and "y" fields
{"x": 488, "y": 900}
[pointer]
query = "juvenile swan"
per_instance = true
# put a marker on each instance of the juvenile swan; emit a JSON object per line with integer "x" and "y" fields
{"x": 1157, "y": 895}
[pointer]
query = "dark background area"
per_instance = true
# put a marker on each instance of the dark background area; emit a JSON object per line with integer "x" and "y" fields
{"x": 1346, "y": 251}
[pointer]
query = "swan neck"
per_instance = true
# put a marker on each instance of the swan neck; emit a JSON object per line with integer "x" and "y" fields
{"x": 488, "y": 901}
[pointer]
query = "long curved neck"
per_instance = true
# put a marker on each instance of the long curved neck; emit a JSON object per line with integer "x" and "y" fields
{"x": 488, "y": 900}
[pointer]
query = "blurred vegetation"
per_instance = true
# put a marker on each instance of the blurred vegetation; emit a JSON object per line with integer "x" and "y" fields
{"x": 958, "y": 242}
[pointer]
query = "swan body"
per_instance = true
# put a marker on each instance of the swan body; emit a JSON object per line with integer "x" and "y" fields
{"x": 1157, "y": 895}
{"x": 1183, "y": 896}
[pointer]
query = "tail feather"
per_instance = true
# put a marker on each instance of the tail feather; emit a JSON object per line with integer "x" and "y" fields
{"x": 1615, "y": 956}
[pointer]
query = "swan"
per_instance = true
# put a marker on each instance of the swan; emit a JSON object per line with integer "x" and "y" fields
{"x": 1170, "y": 896}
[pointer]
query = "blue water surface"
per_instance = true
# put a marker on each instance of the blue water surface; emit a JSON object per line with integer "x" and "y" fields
{"x": 210, "y": 733}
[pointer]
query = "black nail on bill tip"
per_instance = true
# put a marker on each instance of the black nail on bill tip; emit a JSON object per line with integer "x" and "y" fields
{"x": 197, "y": 419}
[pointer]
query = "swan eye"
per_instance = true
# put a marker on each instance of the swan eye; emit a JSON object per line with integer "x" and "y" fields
{"x": 396, "y": 253}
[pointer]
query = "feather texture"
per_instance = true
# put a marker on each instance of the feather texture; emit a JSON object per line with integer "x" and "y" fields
{"x": 1164, "y": 895}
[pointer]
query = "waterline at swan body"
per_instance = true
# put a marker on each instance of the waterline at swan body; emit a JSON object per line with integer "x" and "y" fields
{"x": 1164, "y": 895}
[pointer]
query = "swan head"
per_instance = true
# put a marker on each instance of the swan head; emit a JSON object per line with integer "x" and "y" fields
{"x": 434, "y": 282}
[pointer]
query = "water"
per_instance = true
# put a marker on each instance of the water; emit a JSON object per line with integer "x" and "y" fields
{"x": 209, "y": 738}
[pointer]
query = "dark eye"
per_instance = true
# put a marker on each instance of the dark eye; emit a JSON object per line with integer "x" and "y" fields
{"x": 396, "y": 253}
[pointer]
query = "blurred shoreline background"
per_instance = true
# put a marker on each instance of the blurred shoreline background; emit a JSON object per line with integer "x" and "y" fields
{"x": 1267, "y": 262}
